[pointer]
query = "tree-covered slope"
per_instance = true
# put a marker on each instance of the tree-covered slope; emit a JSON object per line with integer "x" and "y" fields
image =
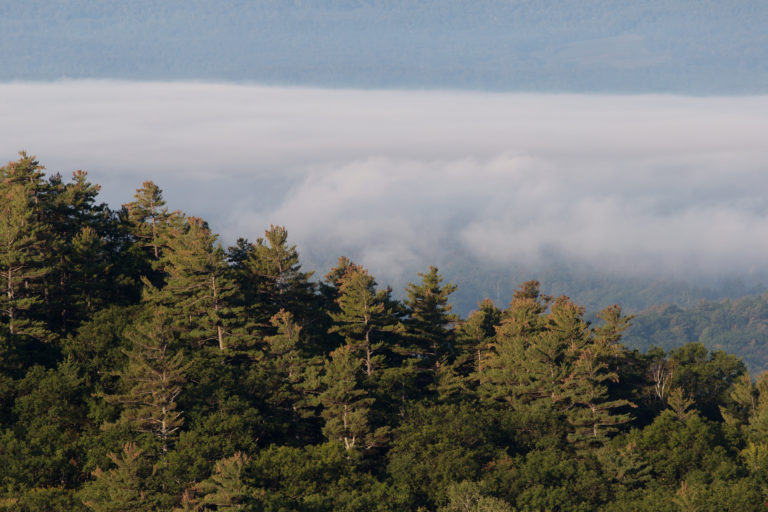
{"x": 145, "y": 367}
{"x": 737, "y": 326}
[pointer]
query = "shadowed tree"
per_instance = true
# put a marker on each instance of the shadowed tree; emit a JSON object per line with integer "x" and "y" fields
{"x": 149, "y": 217}
{"x": 122, "y": 488}
{"x": 365, "y": 316}
{"x": 153, "y": 379}
{"x": 22, "y": 262}
{"x": 429, "y": 319}
{"x": 346, "y": 405}
{"x": 270, "y": 276}
{"x": 198, "y": 289}
{"x": 476, "y": 334}
{"x": 224, "y": 490}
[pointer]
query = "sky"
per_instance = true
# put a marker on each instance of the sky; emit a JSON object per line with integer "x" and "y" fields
{"x": 580, "y": 143}
{"x": 685, "y": 46}
{"x": 398, "y": 180}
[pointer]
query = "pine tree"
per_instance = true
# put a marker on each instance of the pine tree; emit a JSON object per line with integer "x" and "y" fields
{"x": 283, "y": 347}
{"x": 743, "y": 401}
{"x": 680, "y": 404}
{"x": 27, "y": 173}
{"x": 595, "y": 358}
{"x": 149, "y": 217}
{"x": 122, "y": 488}
{"x": 198, "y": 289}
{"x": 430, "y": 319}
{"x": 224, "y": 490}
{"x": 335, "y": 276}
{"x": 553, "y": 361}
{"x": 592, "y": 412}
{"x": 87, "y": 263}
{"x": 365, "y": 316}
{"x": 476, "y": 334}
{"x": 292, "y": 375}
{"x": 345, "y": 405}
{"x": 524, "y": 361}
{"x": 68, "y": 209}
{"x": 22, "y": 262}
{"x": 271, "y": 278}
{"x": 153, "y": 379}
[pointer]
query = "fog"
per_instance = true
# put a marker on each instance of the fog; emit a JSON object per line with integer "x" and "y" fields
{"x": 400, "y": 179}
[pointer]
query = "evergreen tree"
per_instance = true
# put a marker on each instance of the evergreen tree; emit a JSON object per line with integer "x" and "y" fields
{"x": 743, "y": 401}
{"x": 122, "y": 488}
{"x": 365, "y": 316}
{"x": 290, "y": 372}
{"x": 22, "y": 262}
{"x": 592, "y": 411}
{"x": 552, "y": 361}
{"x": 70, "y": 212}
{"x": 345, "y": 404}
{"x": 27, "y": 173}
{"x": 224, "y": 490}
{"x": 198, "y": 289}
{"x": 524, "y": 363}
{"x": 149, "y": 217}
{"x": 476, "y": 334}
{"x": 284, "y": 347}
{"x": 87, "y": 263}
{"x": 430, "y": 319}
{"x": 335, "y": 276}
{"x": 153, "y": 379}
{"x": 680, "y": 404}
{"x": 271, "y": 278}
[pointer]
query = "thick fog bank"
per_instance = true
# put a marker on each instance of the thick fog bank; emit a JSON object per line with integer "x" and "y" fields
{"x": 630, "y": 185}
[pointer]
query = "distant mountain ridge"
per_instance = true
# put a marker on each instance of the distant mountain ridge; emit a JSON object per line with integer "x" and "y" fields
{"x": 688, "y": 47}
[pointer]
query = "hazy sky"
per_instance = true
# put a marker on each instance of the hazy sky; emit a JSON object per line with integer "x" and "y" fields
{"x": 400, "y": 179}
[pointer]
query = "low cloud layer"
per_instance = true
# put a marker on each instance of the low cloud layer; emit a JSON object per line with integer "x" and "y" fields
{"x": 402, "y": 179}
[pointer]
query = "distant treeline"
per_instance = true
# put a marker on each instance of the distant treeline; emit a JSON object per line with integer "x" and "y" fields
{"x": 736, "y": 326}
{"x": 145, "y": 367}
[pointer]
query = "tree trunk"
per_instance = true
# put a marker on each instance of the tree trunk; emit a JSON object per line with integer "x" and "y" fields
{"x": 368, "y": 354}
{"x": 10, "y": 301}
{"x": 219, "y": 330}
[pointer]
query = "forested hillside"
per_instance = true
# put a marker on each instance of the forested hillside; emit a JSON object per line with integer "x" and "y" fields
{"x": 146, "y": 367}
{"x": 736, "y": 326}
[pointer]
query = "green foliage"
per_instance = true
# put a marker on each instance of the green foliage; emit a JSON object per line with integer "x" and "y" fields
{"x": 153, "y": 380}
{"x": 148, "y": 219}
{"x": 233, "y": 382}
{"x": 198, "y": 290}
{"x": 123, "y": 488}
{"x": 225, "y": 489}
{"x": 365, "y": 316}
{"x": 317, "y": 478}
{"x": 346, "y": 406}
{"x": 738, "y": 327}
{"x": 43, "y": 447}
{"x": 476, "y": 334}
{"x": 466, "y": 497}
{"x": 551, "y": 361}
{"x": 429, "y": 319}
{"x": 548, "y": 479}
{"x": 269, "y": 273}
{"x": 440, "y": 445}
{"x": 22, "y": 259}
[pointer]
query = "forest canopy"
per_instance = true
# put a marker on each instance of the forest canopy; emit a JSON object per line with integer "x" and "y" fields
{"x": 144, "y": 366}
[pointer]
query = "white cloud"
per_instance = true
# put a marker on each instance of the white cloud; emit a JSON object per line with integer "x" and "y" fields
{"x": 401, "y": 179}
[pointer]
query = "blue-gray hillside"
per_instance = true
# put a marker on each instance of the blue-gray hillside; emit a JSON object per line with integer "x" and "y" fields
{"x": 684, "y": 46}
